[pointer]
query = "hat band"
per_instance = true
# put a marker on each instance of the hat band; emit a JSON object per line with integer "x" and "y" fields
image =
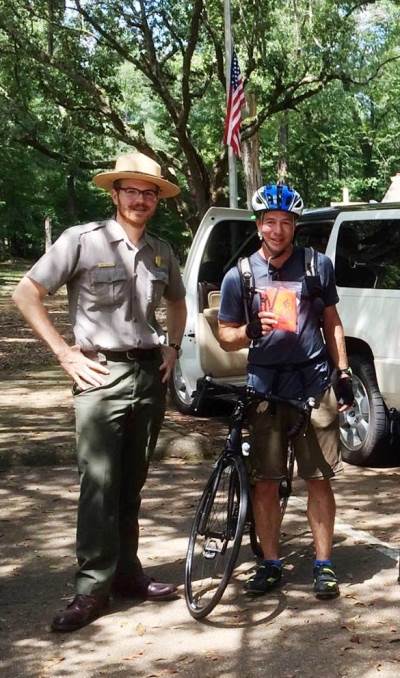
{"x": 122, "y": 171}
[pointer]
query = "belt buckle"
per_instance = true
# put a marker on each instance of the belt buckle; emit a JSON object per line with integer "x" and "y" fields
{"x": 130, "y": 356}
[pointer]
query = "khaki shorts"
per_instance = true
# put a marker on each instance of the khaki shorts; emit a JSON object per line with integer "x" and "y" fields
{"x": 317, "y": 453}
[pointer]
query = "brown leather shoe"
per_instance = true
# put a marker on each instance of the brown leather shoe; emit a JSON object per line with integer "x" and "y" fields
{"x": 144, "y": 587}
{"x": 80, "y": 612}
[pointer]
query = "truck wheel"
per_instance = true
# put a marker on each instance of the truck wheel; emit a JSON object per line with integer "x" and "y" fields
{"x": 179, "y": 391}
{"x": 364, "y": 429}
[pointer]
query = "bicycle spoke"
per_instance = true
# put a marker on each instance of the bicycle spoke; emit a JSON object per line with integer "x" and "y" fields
{"x": 215, "y": 539}
{"x": 212, "y": 547}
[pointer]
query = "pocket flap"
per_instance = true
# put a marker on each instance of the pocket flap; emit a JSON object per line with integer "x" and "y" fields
{"x": 159, "y": 276}
{"x": 109, "y": 274}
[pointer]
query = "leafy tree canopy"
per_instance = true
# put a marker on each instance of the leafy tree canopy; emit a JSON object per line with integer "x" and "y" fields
{"x": 83, "y": 80}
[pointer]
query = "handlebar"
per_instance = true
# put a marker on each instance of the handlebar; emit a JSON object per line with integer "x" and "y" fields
{"x": 206, "y": 385}
{"x": 247, "y": 393}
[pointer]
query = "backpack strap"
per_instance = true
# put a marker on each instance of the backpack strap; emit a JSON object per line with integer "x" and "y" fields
{"x": 247, "y": 284}
{"x": 310, "y": 261}
{"x": 247, "y": 277}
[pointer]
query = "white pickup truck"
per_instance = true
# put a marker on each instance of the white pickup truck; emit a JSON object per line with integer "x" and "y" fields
{"x": 363, "y": 243}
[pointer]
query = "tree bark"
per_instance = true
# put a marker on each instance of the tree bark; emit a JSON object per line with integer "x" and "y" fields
{"x": 72, "y": 201}
{"x": 47, "y": 234}
{"x": 283, "y": 138}
{"x": 251, "y": 152}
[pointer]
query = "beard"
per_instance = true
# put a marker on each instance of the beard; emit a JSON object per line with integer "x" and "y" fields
{"x": 135, "y": 216}
{"x": 277, "y": 251}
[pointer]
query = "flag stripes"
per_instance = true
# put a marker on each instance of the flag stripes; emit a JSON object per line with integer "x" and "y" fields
{"x": 236, "y": 100}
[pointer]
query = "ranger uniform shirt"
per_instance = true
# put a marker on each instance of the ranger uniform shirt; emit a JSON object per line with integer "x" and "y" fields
{"x": 114, "y": 287}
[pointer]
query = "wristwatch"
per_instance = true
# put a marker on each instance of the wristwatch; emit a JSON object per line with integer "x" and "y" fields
{"x": 346, "y": 370}
{"x": 177, "y": 348}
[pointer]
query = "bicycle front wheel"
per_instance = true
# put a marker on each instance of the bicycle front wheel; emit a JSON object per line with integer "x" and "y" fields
{"x": 216, "y": 536}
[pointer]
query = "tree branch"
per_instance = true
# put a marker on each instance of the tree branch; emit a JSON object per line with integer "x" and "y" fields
{"x": 357, "y": 6}
{"x": 32, "y": 141}
{"x": 187, "y": 62}
{"x": 219, "y": 54}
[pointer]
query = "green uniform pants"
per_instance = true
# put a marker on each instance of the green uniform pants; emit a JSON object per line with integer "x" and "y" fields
{"x": 117, "y": 427}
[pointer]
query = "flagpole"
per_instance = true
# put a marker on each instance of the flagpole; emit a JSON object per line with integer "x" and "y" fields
{"x": 233, "y": 191}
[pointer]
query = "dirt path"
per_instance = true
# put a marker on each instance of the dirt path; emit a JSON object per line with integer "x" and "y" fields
{"x": 287, "y": 634}
{"x": 36, "y": 418}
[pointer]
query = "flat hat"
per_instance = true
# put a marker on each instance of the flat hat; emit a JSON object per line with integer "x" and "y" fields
{"x": 136, "y": 166}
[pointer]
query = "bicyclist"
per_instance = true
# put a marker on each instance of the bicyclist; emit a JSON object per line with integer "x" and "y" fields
{"x": 296, "y": 338}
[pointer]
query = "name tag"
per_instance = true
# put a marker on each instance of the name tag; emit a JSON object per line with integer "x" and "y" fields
{"x": 105, "y": 265}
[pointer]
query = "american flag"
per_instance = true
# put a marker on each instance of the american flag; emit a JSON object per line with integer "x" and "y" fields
{"x": 236, "y": 100}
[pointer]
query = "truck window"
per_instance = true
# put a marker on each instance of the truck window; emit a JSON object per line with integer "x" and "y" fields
{"x": 368, "y": 254}
{"x": 228, "y": 241}
{"x": 314, "y": 234}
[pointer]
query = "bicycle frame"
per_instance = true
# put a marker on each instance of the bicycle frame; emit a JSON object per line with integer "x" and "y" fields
{"x": 225, "y": 507}
{"x": 234, "y": 441}
{"x": 233, "y": 445}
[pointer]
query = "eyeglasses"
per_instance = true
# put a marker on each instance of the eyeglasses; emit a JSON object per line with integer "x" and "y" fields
{"x": 148, "y": 194}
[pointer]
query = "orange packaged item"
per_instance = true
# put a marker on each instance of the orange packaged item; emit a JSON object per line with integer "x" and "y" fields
{"x": 283, "y": 302}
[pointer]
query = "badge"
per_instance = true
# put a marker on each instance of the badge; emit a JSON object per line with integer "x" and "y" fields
{"x": 158, "y": 261}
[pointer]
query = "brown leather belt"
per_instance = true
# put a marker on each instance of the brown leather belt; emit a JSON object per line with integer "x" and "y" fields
{"x": 132, "y": 355}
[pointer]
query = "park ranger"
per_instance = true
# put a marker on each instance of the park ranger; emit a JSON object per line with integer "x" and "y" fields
{"x": 116, "y": 274}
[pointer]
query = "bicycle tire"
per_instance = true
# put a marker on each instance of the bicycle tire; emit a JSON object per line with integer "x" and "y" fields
{"x": 216, "y": 536}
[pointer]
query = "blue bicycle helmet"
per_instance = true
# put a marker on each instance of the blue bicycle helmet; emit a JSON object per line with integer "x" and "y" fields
{"x": 277, "y": 197}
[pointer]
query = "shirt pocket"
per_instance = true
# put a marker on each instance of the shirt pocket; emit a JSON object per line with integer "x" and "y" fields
{"x": 108, "y": 285}
{"x": 157, "y": 282}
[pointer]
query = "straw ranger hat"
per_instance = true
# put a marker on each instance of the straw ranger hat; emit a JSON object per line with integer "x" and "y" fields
{"x": 136, "y": 166}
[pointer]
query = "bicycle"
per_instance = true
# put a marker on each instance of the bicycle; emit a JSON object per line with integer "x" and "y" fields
{"x": 224, "y": 510}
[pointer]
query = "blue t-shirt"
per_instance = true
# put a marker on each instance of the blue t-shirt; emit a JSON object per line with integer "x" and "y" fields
{"x": 289, "y": 364}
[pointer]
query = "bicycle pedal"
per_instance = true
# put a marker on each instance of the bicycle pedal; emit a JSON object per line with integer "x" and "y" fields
{"x": 209, "y": 555}
{"x": 210, "y": 551}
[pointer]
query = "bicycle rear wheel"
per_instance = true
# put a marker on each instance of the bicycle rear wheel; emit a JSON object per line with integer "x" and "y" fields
{"x": 216, "y": 536}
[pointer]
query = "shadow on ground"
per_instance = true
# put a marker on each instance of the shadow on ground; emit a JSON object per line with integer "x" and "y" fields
{"x": 289, "y": 631}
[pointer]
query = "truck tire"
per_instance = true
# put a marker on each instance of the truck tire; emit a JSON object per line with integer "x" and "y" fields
{"x": 179, "y": 392}
{"x": 364, "y": 430}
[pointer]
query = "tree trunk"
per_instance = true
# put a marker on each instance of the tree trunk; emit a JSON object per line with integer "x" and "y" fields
{"x": 72, "y": 201}
{"x": 368, "y": 167}
{"x": 251, "y": 152}
{"x": 47, "y": 234}
{"x": 283, "y": 138}
{"x": 50, "y": 33}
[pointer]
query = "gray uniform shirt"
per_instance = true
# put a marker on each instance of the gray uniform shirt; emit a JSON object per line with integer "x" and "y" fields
{"x": 113, "y": 287}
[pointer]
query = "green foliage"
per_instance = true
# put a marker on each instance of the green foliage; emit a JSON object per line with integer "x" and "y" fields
{"x": 79, "y": 85}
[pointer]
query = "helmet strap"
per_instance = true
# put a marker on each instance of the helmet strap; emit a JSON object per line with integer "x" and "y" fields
{"x": 274, "y": 256}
